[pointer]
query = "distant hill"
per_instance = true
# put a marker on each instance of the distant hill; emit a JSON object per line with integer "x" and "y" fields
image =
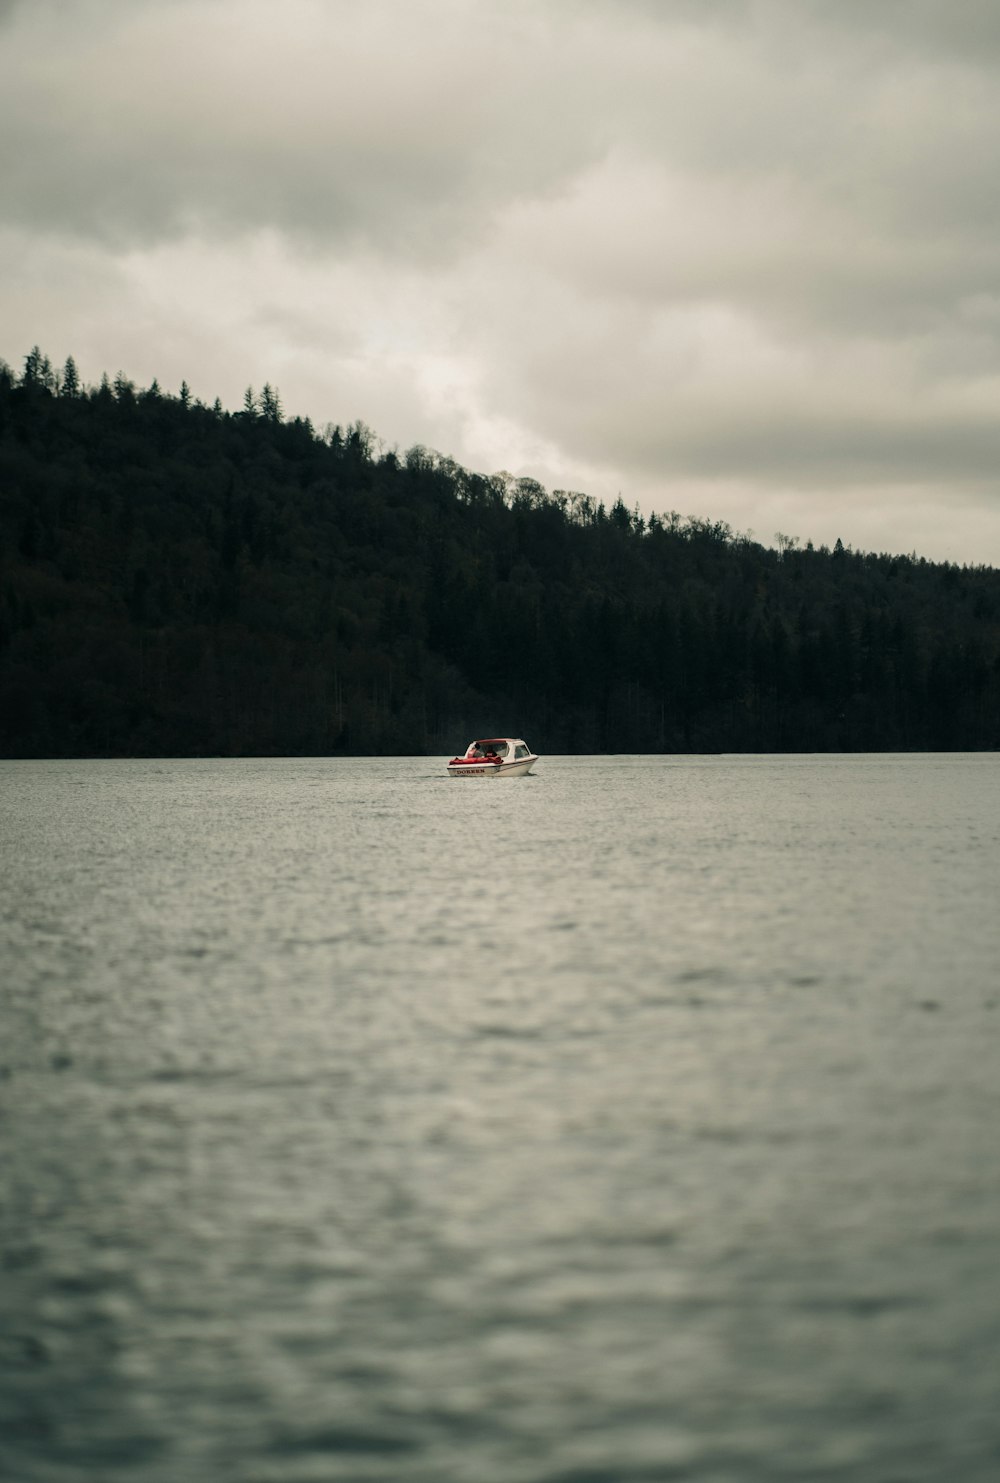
{"x": 177, "y": 579}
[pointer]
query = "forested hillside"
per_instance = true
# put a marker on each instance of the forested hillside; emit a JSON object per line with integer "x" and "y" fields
{"x": 177, "y": 579}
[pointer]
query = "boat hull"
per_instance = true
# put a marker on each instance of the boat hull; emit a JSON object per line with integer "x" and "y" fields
{"x": 479, "y": 769}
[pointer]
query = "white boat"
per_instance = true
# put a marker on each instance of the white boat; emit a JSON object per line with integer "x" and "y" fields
{"x": 494, "y": 757}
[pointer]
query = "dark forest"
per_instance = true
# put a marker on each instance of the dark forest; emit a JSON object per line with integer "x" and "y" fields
{"x": 180, "y": 580}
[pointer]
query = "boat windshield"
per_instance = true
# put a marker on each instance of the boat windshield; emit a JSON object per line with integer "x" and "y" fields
{"x": 495, "y": 747}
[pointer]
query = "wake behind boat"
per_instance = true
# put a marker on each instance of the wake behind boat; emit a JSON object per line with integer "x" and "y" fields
{"x": 495, "y": 757}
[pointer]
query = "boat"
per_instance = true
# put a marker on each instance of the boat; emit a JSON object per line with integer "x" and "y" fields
{"x": 494, "y": 757}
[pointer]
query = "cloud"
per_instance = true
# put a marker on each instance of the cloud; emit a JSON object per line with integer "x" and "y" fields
{"x": 745, "y": 253}
{"x": 394, "y": 125}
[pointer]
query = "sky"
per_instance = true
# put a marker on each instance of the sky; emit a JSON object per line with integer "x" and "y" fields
{"x": 734, "y": 258}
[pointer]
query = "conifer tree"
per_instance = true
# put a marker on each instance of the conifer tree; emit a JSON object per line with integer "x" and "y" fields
{"x": 70, "y": 386}
{"x": 270, "y": 403}
{"x": 33, "y": 367}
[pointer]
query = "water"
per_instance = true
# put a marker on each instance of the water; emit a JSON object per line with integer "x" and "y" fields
{"x": 636, "y": 1120}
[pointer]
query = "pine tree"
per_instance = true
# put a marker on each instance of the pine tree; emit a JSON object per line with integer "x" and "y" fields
{"x": 270, "y": 403}
{"x": 70, "y": 379}
{"x": 33, "y": 363}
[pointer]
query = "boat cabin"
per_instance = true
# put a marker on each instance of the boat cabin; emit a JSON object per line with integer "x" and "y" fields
{"x": 493, "y": 756}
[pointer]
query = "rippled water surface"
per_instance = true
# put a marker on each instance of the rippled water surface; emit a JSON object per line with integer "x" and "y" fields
{"x": 634, "y": 1120}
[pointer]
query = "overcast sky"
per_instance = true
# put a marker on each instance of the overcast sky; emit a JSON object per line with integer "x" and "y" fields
{"x": 737, "y": 258}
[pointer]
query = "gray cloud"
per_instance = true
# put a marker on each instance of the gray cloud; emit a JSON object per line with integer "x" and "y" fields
{"x": 964, "y": 27}
{"x": 666, "y": 247}
{"x": 394, "y": 125}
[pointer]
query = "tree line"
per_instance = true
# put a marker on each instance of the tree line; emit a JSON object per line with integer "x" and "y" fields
{"x": 179, "y": 579}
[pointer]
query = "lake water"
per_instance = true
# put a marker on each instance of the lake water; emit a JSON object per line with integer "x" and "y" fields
{"x": 636, "y": 1120}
